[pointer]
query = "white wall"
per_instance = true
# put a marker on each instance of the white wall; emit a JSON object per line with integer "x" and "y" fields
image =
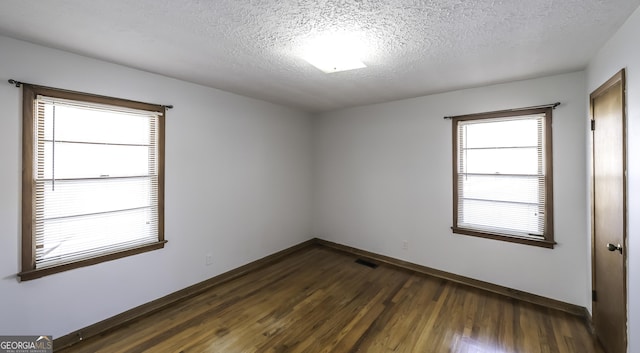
{"x": 383, "y": 175}
{"x": 237, "y": 186}
{"x": 622, "y": 51}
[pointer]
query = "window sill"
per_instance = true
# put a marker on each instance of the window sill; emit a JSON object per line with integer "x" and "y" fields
{"x": 544, "y": 243}
{"x": 41, "y": 272}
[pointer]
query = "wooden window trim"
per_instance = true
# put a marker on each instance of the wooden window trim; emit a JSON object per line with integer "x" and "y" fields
{"x": 548, "y": 240}
{"x": 29, "y": 94}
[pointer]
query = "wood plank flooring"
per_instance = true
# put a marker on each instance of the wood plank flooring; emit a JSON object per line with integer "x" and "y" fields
{"x": 320, "y": 300}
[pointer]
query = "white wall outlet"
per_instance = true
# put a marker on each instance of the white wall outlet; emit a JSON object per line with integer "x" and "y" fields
{"x": 405, "y": 245}
{"x": 208, "y": 259}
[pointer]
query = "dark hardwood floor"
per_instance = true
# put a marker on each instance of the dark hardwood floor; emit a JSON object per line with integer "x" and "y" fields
{"x": 320, "y": 300}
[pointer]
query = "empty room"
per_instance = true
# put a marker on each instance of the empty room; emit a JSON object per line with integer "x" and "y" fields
{"x": 238, "y": 176}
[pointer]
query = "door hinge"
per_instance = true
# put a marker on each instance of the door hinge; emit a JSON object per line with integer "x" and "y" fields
{"x": 593, "y": 125}
{"x": 594, "y": 296}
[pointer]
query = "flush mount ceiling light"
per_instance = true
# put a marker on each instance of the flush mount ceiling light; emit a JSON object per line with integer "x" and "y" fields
{"x": 335, "y": 52}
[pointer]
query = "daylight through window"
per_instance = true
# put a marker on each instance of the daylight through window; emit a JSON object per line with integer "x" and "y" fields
{"x": 96, "y": 179}
{"x": 502, "y": 176}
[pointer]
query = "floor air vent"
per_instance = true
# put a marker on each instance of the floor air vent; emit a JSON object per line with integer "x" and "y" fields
{"x": 366, "y": 263}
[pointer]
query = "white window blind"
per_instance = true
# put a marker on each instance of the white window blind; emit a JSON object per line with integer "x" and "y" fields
{"x": 96, "y": 180}
{"x": 501, "y": 175}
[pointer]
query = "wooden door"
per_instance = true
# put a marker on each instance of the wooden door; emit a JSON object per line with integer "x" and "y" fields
{"x": 609, "y": 214}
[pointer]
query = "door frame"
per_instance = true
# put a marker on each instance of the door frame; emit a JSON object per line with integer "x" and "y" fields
{"x": 620, "y": 76}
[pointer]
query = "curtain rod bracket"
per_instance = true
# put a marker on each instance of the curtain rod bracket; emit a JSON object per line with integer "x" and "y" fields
{"x": 15, "y": 83}
{"x": 170, "y": 106}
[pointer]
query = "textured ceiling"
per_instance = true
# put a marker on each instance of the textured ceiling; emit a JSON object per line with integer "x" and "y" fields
{"x": 254, "y": 47}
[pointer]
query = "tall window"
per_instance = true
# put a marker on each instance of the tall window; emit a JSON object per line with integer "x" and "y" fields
{"x": 92, "y": 181}
{"x": 502, "y": 171}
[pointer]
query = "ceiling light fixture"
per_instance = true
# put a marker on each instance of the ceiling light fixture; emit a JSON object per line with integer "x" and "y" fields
{"x": 335, "y": 53}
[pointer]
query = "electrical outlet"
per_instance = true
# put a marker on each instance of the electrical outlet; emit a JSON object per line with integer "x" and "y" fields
{"x": 405, "y": 245}
{"x": 208, "y": 259}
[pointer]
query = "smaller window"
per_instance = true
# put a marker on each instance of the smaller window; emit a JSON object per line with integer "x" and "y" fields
{"x": 502, "y": 176}
{"x": 93, "y": 179}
